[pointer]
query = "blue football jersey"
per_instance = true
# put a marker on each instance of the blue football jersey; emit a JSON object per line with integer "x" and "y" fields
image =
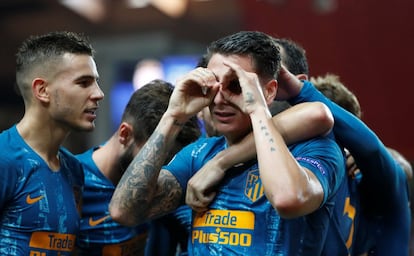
{"x": 241, "y": 220}
{"x": 382, "y": 218}
{"x": 40, "y": 207}
{"x": 99, "y": 234}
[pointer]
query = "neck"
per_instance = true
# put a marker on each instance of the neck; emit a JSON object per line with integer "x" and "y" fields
{"x": 43, "y": 139}
{"x": 107, "y": 159}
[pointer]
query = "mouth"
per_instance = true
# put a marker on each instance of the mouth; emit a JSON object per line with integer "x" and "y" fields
{"x": 223, "y": 116}
{"x": 91, "y": 113}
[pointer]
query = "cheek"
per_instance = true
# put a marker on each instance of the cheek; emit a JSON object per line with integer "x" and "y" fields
{"x": 135, "y": 151}
{"x": 64, "y": 104}
{"x": 128, "y": 156}
{"x": 66, "y": 97}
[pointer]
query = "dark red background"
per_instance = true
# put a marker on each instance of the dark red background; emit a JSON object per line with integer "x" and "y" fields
{"x": 368, "y": 43}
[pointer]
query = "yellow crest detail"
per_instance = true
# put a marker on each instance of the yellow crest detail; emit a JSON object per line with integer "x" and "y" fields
{"x": 254, "y": 187}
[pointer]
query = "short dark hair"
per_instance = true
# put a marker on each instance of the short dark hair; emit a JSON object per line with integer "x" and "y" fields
{"x": 36, "y": 50}
{"x": 258, "y": 45}
{"x": 146, "y": 107}
{"x": 293, "y": 56}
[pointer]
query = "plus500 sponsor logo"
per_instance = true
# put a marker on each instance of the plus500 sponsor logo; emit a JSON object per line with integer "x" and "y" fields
{"x": 234, "y": 223}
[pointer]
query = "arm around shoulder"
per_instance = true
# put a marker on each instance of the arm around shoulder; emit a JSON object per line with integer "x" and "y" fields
{"x": 304, "y": 121}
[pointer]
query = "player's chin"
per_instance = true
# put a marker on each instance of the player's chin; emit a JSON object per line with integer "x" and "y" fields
{"x": 86, "y": 126}
{"x": 225, "y": 128}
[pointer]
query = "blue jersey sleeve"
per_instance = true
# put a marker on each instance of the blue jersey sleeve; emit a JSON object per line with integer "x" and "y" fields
{"x": 8, "y": 179}
{"x": 10, "y": 173}
{"x": 192, "y": 157}
{"x": 181, "y": 161}
{"x": 370, "y": 154}
{"x": 385, "y": 185}
{"x": 322, "y": 157}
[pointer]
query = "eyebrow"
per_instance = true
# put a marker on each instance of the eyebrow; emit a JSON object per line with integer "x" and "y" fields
{"x": 87, "y": 77}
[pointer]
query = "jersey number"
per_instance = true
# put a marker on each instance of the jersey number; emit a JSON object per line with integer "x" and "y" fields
{"x": 350, "y": 211}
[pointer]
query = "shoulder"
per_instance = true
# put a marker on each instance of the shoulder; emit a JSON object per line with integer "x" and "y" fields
{"x": 86, "y": 160}
{"x": 197, "y": 152}
{"x": 70, "y": 165}
{"x": 322, "y": 146}
{"x": 206, "y": 145}
{"x": 16, "y": 154}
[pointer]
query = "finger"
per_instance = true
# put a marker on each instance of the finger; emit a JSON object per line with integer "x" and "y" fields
{"x": 195, "y": 204}
{"x": 282, "y": 69}
{"x": 205, "y": 75}
{"x": 207, "y": 81}
{"x": 208, "y": 198}
{"x": 350, "y": 161}
{"x": 199, "y": 209}
{"x": 198, "y": 199}
{"x": 205, "y": 198}
{"x": 198, "y": 206}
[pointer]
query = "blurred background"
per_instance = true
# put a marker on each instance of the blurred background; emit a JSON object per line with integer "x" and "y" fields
{"x": 369, "y": 44}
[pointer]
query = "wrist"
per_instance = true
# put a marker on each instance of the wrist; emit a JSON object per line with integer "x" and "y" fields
{"x": 221, "y": 161}
{"x": 261, "y": 112}
{"x": 176, "y": 119}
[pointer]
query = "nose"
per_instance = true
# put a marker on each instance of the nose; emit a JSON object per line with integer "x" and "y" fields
{"x": 219, "y": 98}
{"x": 98, "y": 94}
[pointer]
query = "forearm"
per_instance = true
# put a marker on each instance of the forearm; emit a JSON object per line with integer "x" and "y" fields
{"x": 135, "y": 194}
{"x": 300, "y": 122}
{"x": 304, "y": 121}
{"x": 237, "y": 153}
{"x": 292, "y": 190}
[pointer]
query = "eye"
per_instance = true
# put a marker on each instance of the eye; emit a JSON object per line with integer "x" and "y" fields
{"x": 234, "y": 86}
{"x": 85, "y": 82}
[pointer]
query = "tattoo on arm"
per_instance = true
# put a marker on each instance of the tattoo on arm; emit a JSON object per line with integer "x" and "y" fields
{"x": 168, "y": 196}
{"x": 264, "y": 129}
{"x": 140, "y": 194}
{"x": 178, "y": 123}
{"x": 249, "y": 98}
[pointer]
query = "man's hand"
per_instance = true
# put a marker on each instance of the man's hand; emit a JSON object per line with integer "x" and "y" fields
{"x": 288, "y": 85}
{"x": 351, "y": 166}
{"x": 250, "y": 89}
{"x": 201, "y": 188}
{"x": 193, "y": 91}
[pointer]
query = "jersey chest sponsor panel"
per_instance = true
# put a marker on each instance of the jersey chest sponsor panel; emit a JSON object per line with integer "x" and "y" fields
{"x": 251, "y": 227}
{"x": 132, "y": 247}
{"x": 241, "y": 220}
{"x": 44, "y": 219}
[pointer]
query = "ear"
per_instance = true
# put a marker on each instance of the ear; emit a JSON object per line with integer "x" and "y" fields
{"x": 270, "y": 91}
{"x": 302, "y": 77}
{"x": 125, "y": 133}
{"x": 39, "y": 89}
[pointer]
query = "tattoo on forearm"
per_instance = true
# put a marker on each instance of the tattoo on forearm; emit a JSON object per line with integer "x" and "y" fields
{"x": 138, "y": 184}
{"x": 249, "y": 98}
{"x": 168, "y": 196}
{"x": 178, "y": 123}
{"x": 265, "y": 129}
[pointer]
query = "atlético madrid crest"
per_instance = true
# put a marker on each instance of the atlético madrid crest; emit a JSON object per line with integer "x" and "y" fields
{"x": 254, "y": 187}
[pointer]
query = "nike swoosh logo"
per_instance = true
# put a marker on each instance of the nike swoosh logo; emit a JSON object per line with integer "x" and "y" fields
{"x": 33, "y": 200}
{"x": 93, "y": 222}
